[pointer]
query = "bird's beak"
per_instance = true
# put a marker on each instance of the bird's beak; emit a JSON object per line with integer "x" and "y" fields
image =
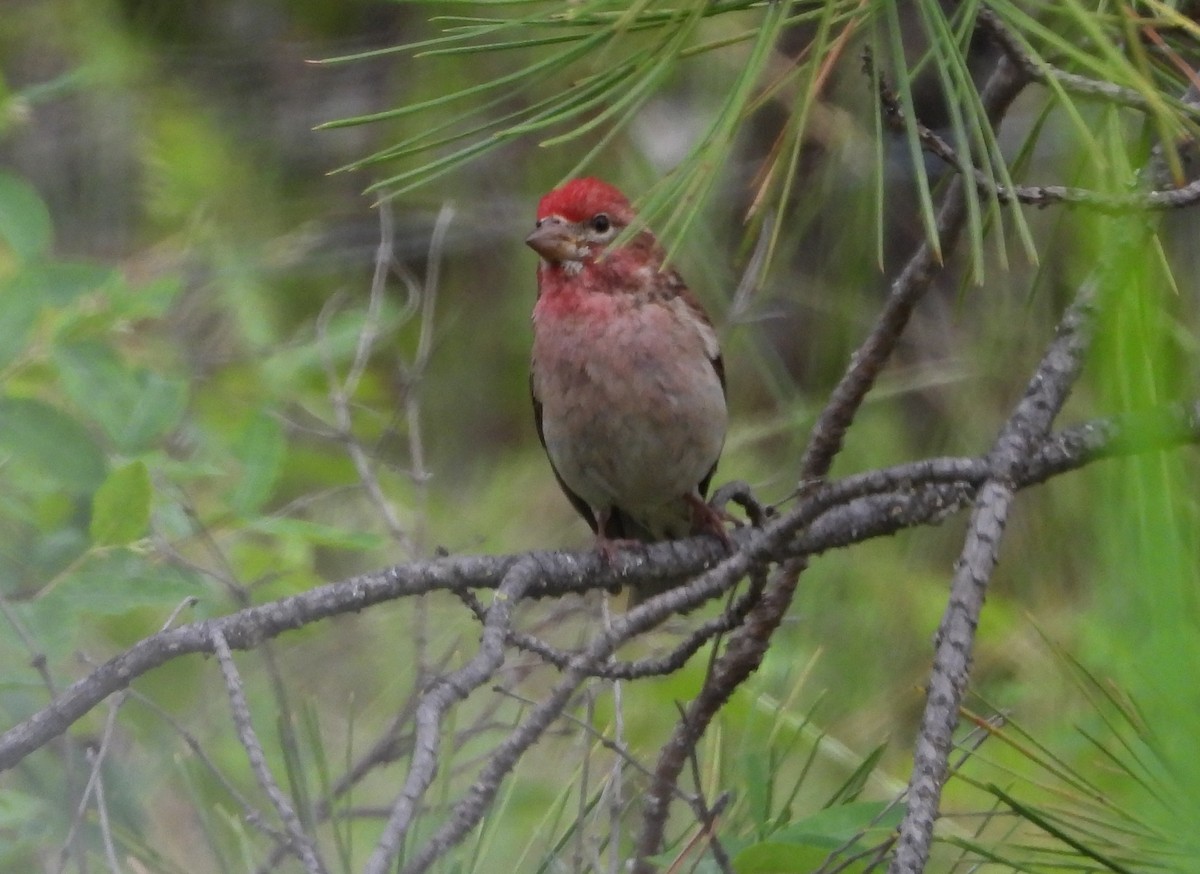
{"x": 554, "y": 240}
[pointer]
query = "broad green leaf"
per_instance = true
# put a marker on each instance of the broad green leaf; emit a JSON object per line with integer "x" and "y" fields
{"x": 134, "y": 407}
{"x": 59, "y": 283}
{"x": 121, "y": 506}
{"x": 57, "y": 444}
{"x": 260, "y": 448}
{"x": 24, "y": 220}
{"x": 18, "y": 312}
{"x": 122, "y": 580}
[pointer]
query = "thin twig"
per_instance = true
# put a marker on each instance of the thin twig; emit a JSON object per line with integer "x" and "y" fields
{"x": 616, "y": 781}
{"x": 436, "y": 701}
{"x": 467, "y": 813}
{"x": 110, "y": 850}
{"x": 95, "y": 761}
{"x": 1039, "y": 70}
{"x": 651, "y": 666}
{"x": 302, "y": 845}
{"x": 340, "y": 400}
{"x": 1139, "y": 201}
{"x": 413, "y": 378}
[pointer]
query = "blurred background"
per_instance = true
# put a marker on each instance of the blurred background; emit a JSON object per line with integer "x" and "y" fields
{"x": 201, "y": 270}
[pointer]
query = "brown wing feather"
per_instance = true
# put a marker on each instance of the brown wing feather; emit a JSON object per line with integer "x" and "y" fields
{"x": 676, "y": 286}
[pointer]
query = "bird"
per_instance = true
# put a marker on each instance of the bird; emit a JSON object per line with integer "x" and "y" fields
{"x": 626, "y": 374}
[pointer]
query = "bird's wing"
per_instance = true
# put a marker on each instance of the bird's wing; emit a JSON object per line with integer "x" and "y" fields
{"x": 577, "y": 502}
{"x": 712, "y": 348}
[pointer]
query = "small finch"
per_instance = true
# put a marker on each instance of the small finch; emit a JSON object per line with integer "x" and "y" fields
{"x": 627, "y": 380}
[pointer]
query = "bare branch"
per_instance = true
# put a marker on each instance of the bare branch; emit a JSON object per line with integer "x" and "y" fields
{"x": 301, "y": 843}
{"x": 1038, "y": 69}
{"x": 437, "y": 699}
{"x": 831, "y": 516}
{"x": 1047, "y": 392}
{"x": 467, "y": 813}
{"x": 1043, "y": 195}
{"x": 749, "y": 643}
{"x": 95, "y": 759}
{"x": 655, "y": 666}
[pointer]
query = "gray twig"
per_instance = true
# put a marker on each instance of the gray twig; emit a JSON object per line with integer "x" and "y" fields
{"x": 302, "y": 845}
{"x": 437, "y": 699}
{"x": 748, "y": 644}
{"x": 1029, "y": 423}
{"x": 922, "y": 493}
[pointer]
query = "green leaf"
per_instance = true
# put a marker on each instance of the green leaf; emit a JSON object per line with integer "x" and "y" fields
{"x": 134, "y": 407}
{"x": 260, "y": 449}
{"x": 53, "y": 442}
{"x": 771, "y": 857}
{"x": 316, "y": 533}
{"x": 111, "y": 583}
{"x": 17, "y": 807}
{"x": 24, "y": 220}
{"x": 147, "y": 300}
{"x": 834, "y": 826}
{"x": 121, "y": 506}
{"x": 59, "y": 283}
{"x": 18, "y": 312}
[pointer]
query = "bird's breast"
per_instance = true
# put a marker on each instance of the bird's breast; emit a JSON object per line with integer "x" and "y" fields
{"x": 632, "y": 408}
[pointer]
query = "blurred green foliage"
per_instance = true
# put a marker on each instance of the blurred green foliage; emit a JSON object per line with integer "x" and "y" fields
{"x": 167, "y": 429}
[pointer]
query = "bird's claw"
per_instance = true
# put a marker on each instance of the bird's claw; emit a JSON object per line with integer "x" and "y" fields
{"x": 707, "y": 519}
{"x": 608, "y": 547}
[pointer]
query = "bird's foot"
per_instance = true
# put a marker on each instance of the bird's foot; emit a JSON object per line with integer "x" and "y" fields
{"x": 609, "y": 547}
{"x": 707, "y": 519}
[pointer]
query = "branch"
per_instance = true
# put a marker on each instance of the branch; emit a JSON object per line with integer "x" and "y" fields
{"x": 1139, "y": 201}
{"x": 835, "y": 515}
{"x": 301, "y": 843}
{"x": 1038, "y": 69}
{"x": 243, "y": 630}
{"x": 467, "y": 813}
{"x": 437, "y": 700}
{"x": 749, "y": 643}
{"x": 1047, "y": 392}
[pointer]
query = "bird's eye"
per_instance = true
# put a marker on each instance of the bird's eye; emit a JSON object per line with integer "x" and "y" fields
{"x": 601, "y": 223}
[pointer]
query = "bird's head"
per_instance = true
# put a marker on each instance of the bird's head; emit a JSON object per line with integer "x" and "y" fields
{"x": 577, "y": 220}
